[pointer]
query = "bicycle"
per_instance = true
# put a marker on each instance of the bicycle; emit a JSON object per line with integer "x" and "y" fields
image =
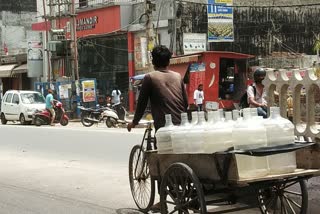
{"x": 142, "y": 185}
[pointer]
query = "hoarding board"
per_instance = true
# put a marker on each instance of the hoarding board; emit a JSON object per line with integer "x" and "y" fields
{"x": 194, "y": 42}
{"x": 140, "y": 52}
{"x": 35, "y": 59}
{"x": 220, "y": 21}
{"x": 89, "y": 91}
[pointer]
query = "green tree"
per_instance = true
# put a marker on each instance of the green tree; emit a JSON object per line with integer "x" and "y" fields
{"x": 316, "y": 46}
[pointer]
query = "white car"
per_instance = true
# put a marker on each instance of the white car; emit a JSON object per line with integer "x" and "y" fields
{"x": 19, "y": 105}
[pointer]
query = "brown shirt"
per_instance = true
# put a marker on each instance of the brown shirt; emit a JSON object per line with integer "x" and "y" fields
{"x": 167, "y": 95}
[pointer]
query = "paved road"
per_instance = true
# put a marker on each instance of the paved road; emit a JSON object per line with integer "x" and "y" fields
{"x": 65, "y": 169}
{"x": 72, "y": 170}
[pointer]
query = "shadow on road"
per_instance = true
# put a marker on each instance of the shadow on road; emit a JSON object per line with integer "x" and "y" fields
{"x": 127, "y": 211}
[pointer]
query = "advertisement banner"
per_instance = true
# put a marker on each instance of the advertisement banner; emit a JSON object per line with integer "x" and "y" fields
{"x": 35, "y": 59}
{"x": 224, "y": 2}
{"x": 220, "y": 21}
{"x": 194, "y": 42}
{"x": 197, "y": 76}
{"x": 64, "y": 91}
{"x": 140, "y": 53}
{"x": 89, "y": 91}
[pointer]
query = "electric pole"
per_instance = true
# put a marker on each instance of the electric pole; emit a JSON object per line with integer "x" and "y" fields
{"x": 58, "y": 36}
{"x": 149, "y": 7}
{"x": 47, "y": 55}
{"x": 74, "y": 46}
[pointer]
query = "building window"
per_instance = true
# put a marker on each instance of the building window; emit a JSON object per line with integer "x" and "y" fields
{"x": 83, "y": 3}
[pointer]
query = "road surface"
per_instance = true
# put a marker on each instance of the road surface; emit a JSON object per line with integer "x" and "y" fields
{"x": 73, "y": 170}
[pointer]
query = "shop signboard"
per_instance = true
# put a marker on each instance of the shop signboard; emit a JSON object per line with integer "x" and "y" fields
{"x": 194, "y": 42}
{"x": 89, "y": 91}
{"x": 220, "y": 21}
{"x": 95, "y": 22}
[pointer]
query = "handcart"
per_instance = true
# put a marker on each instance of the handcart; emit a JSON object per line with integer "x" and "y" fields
{"x": 194, "y": 183}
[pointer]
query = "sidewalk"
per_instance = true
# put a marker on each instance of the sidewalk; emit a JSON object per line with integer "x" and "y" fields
{"x": 129, "y": 118}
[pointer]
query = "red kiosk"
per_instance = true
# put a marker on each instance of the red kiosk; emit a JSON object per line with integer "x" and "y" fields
{"x": 223, "y": 74}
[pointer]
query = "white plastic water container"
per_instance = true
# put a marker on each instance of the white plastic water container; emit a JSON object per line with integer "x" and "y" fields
{"x": 195, "y": 138}
{"x": 178, "y": 135}
{"x": 280, "y": 131}
{"x": 235, "y": 114}
{"x": 218, "y": 135}
{"x": 210, "y": 118}
{"x": 221, "y": 114}
{"x": 228, "y": 117}
{"x": 250, "y": 134}
{"x": 254, "y": 112}
{"x": 163, "y": 136}
{"x": 194, "y": 118}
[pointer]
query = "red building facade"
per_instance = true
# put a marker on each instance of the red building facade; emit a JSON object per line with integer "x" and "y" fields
{"x": 105, "y": 49}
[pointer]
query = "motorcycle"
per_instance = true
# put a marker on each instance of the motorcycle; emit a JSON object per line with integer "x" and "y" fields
{"x": 44, "y": 117}
{"x": 90, "y": 116}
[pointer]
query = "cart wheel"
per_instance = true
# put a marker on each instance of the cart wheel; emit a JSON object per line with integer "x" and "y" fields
{"x": 141, "y": 184}
{"x": 290, "y": 196}
{"x": 181, "y": 191}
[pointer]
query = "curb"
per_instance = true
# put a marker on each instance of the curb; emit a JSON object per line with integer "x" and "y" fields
{"x": 129, "y": 118}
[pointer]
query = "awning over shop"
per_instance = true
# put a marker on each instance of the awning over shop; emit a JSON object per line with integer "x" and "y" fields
{"x": 5, "y": 70}
{"x": 20, "y": 69}
{"x": 181, "y": 64}
{"x": 180, "y": 68}
{"x": 184, "y": 59}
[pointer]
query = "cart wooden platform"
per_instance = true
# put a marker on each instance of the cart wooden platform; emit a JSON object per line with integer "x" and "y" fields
{"x": 185, "y": 181}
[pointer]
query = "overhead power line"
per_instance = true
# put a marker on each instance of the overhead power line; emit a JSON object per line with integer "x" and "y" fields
{"x": 260, "y": 6}
{"x": 95, "y": 2}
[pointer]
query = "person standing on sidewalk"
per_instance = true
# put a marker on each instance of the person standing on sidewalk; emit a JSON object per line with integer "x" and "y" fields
{"x": 116, "y": 93}
{"x": 116, "y": 99}
{"x": 49, "y": 106}
{"x": 165, "y": 90}
{"x": 198, "y": 97}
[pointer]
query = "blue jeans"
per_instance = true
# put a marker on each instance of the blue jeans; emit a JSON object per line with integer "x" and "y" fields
{"x": 262, "y": 111}
{"x": 199, "y": 107}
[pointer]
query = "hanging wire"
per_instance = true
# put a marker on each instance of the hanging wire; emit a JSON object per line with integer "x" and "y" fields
{"x": 285, "y": 46}
{"x": 158, "y": 20}
{"x": 104, "y": 60}
{"x": 109, "y": 47}
{"x": 99, "y": 2}
{"x": 259, "y": 6}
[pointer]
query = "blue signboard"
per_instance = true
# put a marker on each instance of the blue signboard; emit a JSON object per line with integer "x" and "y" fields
{"x": 220, "y": 21}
